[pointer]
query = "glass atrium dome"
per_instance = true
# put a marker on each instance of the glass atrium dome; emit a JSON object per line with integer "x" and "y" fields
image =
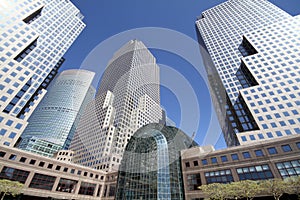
{"x": 150, "y": 168}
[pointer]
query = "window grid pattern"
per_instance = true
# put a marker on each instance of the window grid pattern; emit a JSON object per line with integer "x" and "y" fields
{"x": 60, "y": 111}
{"x": 236, "y": 18}
{"x": 66, "y": 185}
{"x": 128, "y": 98}
{"x": 41, "y": 181}
{"x": 87, "y": 188}
{"x": 260, "y": 40}
{"x": 42, "y": 40}
{"x": 14, "y": 174}
{"x": 289, "y": 168}
{"x": 222, "y": 176}
{"x": 258, "y": 172}
{"x": 193, "y": 181}
{"x": 26, "y": 51}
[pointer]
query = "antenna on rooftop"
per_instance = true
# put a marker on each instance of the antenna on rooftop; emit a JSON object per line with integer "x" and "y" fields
{"x": 193, "y": 135}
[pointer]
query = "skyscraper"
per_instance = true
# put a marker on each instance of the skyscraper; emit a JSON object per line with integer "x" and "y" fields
{"x": 34, "y": 37}
{"x": 251, "y": 54}
{"x": 52, "y": 125}
{"x": 128, "y": 98}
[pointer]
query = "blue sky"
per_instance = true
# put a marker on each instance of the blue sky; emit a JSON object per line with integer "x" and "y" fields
{"x": 184, "y": 94}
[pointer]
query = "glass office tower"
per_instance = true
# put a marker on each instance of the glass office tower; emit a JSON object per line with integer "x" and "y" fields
{"x": 250, "y": 50}
{"x": 151, "y": 167}
{"x": 128, "y": 98}
{"x": 52, "y": 125}
{"x": 34, "y": 37}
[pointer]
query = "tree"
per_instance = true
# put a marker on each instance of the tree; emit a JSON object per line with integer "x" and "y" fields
{"x": 293, "y": 185}
{"x": 215, "y": 191}
{"x": 246, "y": 189}
{"x": 10, "y": 187}
{"x": 243, "y": 189}
{"x": 233, "y": 190}
{"x": 276, "y": 187}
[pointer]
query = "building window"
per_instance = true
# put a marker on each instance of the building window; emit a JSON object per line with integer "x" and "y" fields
{"x": 258, "y": 172}
{"x": 246, "y": 155}
{"x": 112, "y": 190}
{"x": 87, "y": 188}
{"x": 33, "y": 16}
{"x": 234, "y": 156}
{"x": 57, "y": 167}
{"x": 12, "y": 135}
{"x": 223, "y": 176}
{"x": 289, "y": 168}
{"x": 288, "y": 132}
{"x": 270, "y": 135}
{"x": 252, "y": 137}
{"x": 193, "y": 181}
{"x": 187, "y": 164}
{"x": 6, "y": 143}
{"x": 66, "y": 185}
{"x": 2, "y": 154}
{"x": 298, "y": 145}
{"x": 26, "y": 51}
{"x": 286, "y": 148}
{"x": 204, "y": 162}
{"x": 65, "y": 169}
{"x": 104, "y": 191}
{"x": 18, "y": 126}
{"x": 41, "y": 181}
{"x": 214, "y": 160}
{"x": 9, "y": 122}
{"x": 3, "y": 131}
{"x": 50, "y": 166}
{"x": 260, "y": 136}
{"x": 272, "y": 150}
{"x": 14, "y": 174}
{"x": 41, "y": 164}
{"x": 32, "y": 162}
{"x": 22, "y": 159}
{"x": 99, "y": 190}
{"x": 224, "y": 158}
{"x": 195, "y": 163}
{"x": 12, "y": 157}
{"x": 244, "y": 139}
{"x": 278, "y": 133}
{"x": 259, "y": 153}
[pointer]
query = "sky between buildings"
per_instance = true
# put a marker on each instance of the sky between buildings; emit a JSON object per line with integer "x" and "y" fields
{"x": 167, "y": 27}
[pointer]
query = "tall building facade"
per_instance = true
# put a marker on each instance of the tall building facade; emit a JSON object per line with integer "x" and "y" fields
{"x": 52, "y": 125}
{"x": 251, "y": 54}
{"x": 34, "y": 37}
{"x": 128, "y": 98}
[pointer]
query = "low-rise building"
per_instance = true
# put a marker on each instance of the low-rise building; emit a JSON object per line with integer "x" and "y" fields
{"x": 278, "y": 158}
{"x": 58, "y": 178}
{"x": 45, "y": 177}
